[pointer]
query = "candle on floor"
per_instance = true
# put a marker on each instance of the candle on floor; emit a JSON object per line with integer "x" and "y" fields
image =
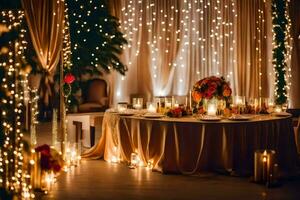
{"x": 149, "y": 165}
{"x": 265, "y": 166}
{"x": 134, "y": 160}
{"x": 264, "y": 170}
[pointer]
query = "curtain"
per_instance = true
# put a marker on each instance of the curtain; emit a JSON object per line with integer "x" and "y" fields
{"x": 174, "y": 43}
{"x": 295, "y": 60}
{"x": 45, "y": 21}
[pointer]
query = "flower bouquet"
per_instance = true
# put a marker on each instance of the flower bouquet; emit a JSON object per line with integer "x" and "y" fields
{"x": 176, "y": 112}
{"x": 211, "y": 88}
{"x": 51, "y": 160}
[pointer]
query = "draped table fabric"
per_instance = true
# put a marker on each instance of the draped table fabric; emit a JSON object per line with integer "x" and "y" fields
{"x": 187, "y": 145}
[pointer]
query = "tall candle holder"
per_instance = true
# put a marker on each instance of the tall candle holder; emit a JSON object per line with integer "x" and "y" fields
{"x": 265, "y": 167}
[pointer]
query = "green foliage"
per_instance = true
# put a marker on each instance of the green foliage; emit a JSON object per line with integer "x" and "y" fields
{"x": 95, "y": 37}
{"x": 280, "y": 23}
{"x": 96, "y": 41}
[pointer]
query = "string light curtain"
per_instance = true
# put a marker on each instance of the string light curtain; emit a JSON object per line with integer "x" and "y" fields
{"x": 174, "y": 43}
{"x": 45, "y": 21}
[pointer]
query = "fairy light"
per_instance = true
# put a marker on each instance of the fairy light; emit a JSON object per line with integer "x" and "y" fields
{"x": 213, "y": 44}
{"x": 13, "y": 175}
{"x": 34, "y": 97}
{"x": 260, "y": 38}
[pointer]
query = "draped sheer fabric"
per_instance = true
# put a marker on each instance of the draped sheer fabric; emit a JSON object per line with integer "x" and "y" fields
{"x": 45, "y": 21}
{"x": 174, "y": 43}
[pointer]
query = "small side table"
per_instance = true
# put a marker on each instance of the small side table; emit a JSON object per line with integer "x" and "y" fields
{"x": 83, "y": 127}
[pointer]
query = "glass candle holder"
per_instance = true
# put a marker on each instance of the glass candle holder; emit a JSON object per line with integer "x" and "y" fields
{"x": 211, "y": 108}
{"x": 239, "y": 102}
{"x": 151, "y": 107}
{"x": 137, "y": 103}
{"x": 122, "y": 107}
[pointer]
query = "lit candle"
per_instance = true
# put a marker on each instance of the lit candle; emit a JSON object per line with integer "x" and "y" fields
{"x": 122, "y": 107}
{"x": 168, "y": 105}
{"x": 265, "y": 166}
{"x": 49, "y": 180}
{"x": 151, "y": 108}
{"x": 137, "y": 106}
{"x": 212, "y": 109}
{"x": 278, "y": 109}
{"x": 135, "y": 160}
{"x": 149, "y": 165}
{"x": 115, "y": 157}
{"x": 239, "y": 101}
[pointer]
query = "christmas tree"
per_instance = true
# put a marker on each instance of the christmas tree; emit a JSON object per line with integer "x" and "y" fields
{"x": 96, "y": 41}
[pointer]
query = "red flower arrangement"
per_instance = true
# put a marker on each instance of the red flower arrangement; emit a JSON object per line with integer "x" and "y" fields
{"x": 69, "y": 78}
{"x": 50, "y": 158}
{"x": 210, "y": 87}
{"x": 176, "y": 112}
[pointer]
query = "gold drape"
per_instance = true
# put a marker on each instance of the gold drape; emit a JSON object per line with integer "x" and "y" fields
{"x": 45, "y": 22}
{"x": 188, "y": 146}
{"x": 295, "y": 62}
{"x": 253, "y": 54}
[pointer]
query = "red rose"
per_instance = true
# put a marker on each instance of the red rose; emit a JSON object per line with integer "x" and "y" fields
{"x": 44, "y": 149}
{"x": 69, "y": 78}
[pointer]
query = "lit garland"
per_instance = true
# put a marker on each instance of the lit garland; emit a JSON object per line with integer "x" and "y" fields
{"x": 13, "y": 176}
{"x": 281, "y": 49}
{"x": 67, "y": 63}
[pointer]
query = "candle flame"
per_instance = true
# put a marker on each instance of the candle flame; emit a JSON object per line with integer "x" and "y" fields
{"x": 265, "y": 152}
{"x": 264, "y": 159}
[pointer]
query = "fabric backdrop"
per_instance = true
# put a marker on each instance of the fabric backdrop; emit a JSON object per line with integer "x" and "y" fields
{"x": 45, "y": 21}
{"x": 174, "y": 43}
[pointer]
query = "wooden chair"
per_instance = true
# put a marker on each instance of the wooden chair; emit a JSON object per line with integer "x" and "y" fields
{"x": 95, "y": 99}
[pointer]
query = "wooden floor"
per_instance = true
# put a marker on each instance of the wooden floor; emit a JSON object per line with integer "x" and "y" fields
{"x": 97, "y": 179}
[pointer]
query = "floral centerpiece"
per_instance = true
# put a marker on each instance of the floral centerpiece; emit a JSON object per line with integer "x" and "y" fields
{"x": 51, "y": 160}
{"x": 176, "y": 112}
{"x": 211, "y": 88}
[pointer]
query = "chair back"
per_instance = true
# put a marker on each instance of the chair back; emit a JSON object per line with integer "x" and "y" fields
{"x": 97, "y": 90}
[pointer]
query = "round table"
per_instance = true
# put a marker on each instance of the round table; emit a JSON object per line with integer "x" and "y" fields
{"x": 188, "y": 145}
